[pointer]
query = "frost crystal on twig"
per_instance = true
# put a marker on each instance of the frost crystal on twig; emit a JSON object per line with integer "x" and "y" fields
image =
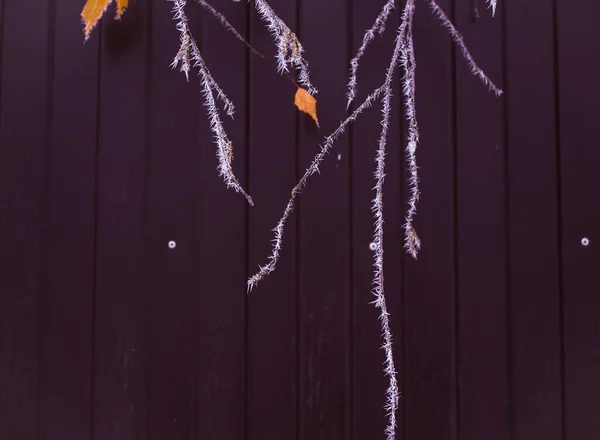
{"x": 458, "y": 39}
{"x": 189, "y": 56}
{"x": 378, "y": 26}
{"x": 226, "y": 24}
{"x": 404, "y": 56}
{"x": 493, "y": 6}
{"x": 412, "y": 243}
{"x": 392, "y": 394}
{"x": 289, "y": 48}
{"x": 313, "y": 168}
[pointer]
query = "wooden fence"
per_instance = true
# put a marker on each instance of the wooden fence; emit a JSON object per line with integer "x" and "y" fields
{"x": 109, "y": 333}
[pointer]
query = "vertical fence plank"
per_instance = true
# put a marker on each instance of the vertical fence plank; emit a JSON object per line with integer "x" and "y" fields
{"x": 67, "y": 316}
{"x": 170, "y": 243}
{"x": 272, "y": 355}
{"x": 222, "y": 243}
{"x": 578, "y": 73}
{"x": 120, "y": 354}
{"x": 368, "y": 380}
{"x": 481, "y": 242}
{"x": 430, "y": 374}
{"x": 534, "y": 281}
{"x": 324, "y": 231}
{"x": 23, "y": 140}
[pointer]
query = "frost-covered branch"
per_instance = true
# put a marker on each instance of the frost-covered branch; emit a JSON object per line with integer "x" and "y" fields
{"x": 403, "y": 54}
{"x": 228, "y": 26}
{"x": 378, "y": 26}
{"x": 392, "y": 393}
{"x": 458, "y": 39}
{"x": 412, "y": 243}
{"x": 189, "y": 56}
{"x": 493, "y": 6}
{"x": 289, "y": 48}
{"x": 313, "y": 168}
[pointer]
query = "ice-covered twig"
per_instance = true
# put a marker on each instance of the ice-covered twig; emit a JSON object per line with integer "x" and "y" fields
{"x": 189, "y": 56}
{"x": 493, "y": 6}
{"x": 228, "y": 26}
{"x": 392, "y": 394}
{"x": 378, "y": 26}
{"x": 289, "y": 48}
{"x": 458, "y": 39}
{"x": 313, "y": 168}
{"x": 412, "y": 243}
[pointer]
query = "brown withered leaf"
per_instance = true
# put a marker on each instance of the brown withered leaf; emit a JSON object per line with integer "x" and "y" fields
{"x": 94, "y": 10}
{"x": 306, "y": 103}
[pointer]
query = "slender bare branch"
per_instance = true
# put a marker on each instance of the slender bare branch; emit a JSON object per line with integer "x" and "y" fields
{"x": 313, "y": 168}
{"x": 189, "y": 56}
{"x": 228, "y": 26}
{"x": 493, "y": 6}
{"x": 412, "y": 243}
{"x": 289, "y": 48}
{"x": 458, "y": 39}
{"x": 378, "y": 26}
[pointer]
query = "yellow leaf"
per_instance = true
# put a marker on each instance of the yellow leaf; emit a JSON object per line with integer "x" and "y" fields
{"x": 95, "y": 9}
{"x": 306, "y": 103}
{"x": 121, "y": 6}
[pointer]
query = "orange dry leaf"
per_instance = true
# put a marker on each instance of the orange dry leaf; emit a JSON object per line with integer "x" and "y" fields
{"x": 121, "y": 6}
{"x": 94, "y": 10}
{"x": 306, "y": 103}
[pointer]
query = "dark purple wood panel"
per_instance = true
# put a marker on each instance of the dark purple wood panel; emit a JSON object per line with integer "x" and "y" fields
{"x": 368, "y": 380}
{"x": 106, "y": 156}
{"x": 324, "y": 232}
{"x": 67, "y": 319}
{"x": 172, "y": 272}
{"x": 535, "y": 368}
{"x": 272, "y": 321}
{"x": 430, "y": 298}
{"x": 578, "y": 73}
{"x": 481, "y": 242}
{"x": 122, "y": 290}
{"x": 221, "y": 231}
{"x": 24, "y": 128}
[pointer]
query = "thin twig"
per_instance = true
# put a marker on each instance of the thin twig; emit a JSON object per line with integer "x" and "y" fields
{"x": 493, "y": 6}
{"x": 223, "y": 20}
{"x": 412, "y": 243}
{"x": 458, "y": 39}
{"x": 187, "y": 54}
{"x": 313, "y": 168}
{"x": 378, "y": 26}
{"x": 289, "y": 48}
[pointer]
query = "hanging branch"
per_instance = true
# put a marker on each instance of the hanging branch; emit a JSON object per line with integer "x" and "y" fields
{"x": 493, "y": 6}
{"x": 228, "y": 26}
{"x": 412, "y": 243}
{"x": 458, "y": 39}
{"x": 313, "y": 168}
{"x": 378, "y": 26}
{"x": 402, "y": 54}
{"x": 289, "y": 48}
{"x": 189, "y": 53}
